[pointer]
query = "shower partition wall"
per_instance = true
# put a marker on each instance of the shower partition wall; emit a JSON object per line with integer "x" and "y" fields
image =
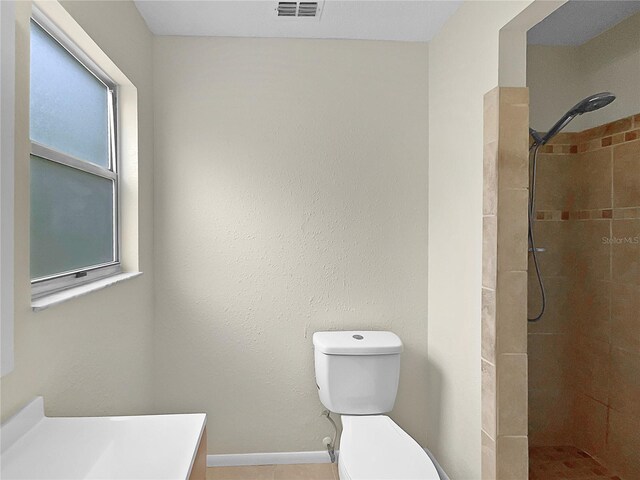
{"x": 584, "y": 355}
{"x": 504, "y": 285}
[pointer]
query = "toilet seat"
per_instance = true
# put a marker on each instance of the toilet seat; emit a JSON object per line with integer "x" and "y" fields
{"x": 373, "y": 447}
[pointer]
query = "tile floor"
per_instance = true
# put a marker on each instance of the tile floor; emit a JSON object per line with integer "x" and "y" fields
{"x": 545, "y": 463}
{"x": 560, "y": 463}
{"x": 320, "y": 471}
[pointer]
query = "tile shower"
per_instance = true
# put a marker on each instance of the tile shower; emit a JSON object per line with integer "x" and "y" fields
{"x": 584, "y": 355}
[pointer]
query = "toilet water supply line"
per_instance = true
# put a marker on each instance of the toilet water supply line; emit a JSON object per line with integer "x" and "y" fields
{"x": 331, "y": 444}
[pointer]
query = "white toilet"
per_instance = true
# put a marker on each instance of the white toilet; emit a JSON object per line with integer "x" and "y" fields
{"x": 357, "y": 376}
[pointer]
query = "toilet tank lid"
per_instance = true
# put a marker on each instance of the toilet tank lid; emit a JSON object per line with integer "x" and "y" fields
{"x": 357, "y": 343}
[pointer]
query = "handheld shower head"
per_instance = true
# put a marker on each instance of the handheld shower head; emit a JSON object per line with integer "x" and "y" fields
{"x": 593, "y": 103}
{"x": 589, "y": 104}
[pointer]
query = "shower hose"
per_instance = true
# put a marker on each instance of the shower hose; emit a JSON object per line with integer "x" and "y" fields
{"x": 532, "y": 244}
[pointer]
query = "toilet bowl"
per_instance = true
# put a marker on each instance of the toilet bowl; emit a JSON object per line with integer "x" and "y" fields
{"x": 374, "y": 447}
{"x": 357, "y": 376}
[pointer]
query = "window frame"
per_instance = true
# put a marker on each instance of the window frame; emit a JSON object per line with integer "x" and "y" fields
{"x": 43, "y": 286}
{"x": 7, "y": 183}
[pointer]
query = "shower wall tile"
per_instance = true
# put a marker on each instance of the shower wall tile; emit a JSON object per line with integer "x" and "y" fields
{"x": 489, "y": 251}
{"x": 548, "y": 361}
{"x": 589, "y": 304}
{"x": 557, "y": 316}
{"x": 563, "y": 138}
{"x": 550, "y": 416}
{"x": 591, "y": 181}
{"x": 626, "y": 174}
{"x": 513, "y": 458}
{"x": 625, "y": 317}
{"x": 490, "y": 173}
{"x": 623, "y": 445}
{"x": 556, "y": 238}
{"x": 553, "y": 182}
{"x": 490, "y": 157}
{"x": 512, "y": 394}
{"x": 489, "y": 325}
{"x": 608, "y": 129}
{"x": 625, "y": 251}
{"x": 625, "y": 382}
{"x": 620, "y": 213}
{"x": 590, "y": 145}
{"x": 491, "y": 125}
{"x": 590, "y": 425}
{"x": 618, "y": 126}
{"x": 592, "y": 367}
{"x": 584, "y": 356}
{"x": 511, "y": 328}
{"x": 515, "y": 97}
{"x": 488, "y": 457}
{"x": 623, "y": 439}
{"x": 618, "y": 138}
{"x": 588, "y": 250}
{"x": 489, "y": 422}
{"x": 512, "y": 230}
{"x": 513, "y": 140}
{"x": 504, "y": 281}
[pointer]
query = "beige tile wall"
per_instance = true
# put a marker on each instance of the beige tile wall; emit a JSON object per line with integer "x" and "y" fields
{"x": 504, "y": 285}
{"x": 584, "y": 355}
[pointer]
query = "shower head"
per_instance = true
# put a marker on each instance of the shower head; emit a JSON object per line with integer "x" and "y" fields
{"x": 589, "y": 104}
{"x": 592, "y": 103}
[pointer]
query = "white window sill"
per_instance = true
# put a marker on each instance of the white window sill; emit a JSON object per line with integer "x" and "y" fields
{"x": 59, "y": 297}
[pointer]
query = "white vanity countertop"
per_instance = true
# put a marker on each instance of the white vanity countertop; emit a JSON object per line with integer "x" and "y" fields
{"x": 115, "y": 448}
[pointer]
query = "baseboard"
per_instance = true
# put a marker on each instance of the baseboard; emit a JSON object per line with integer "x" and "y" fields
{"x": 275, "y": 458}
{"x": 287, "y": 458}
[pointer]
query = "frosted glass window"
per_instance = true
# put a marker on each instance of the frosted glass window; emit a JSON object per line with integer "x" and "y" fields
{"x": 74, "y": 179}
{"x": 71, "y": 218}
{"x": 69, "y": 105}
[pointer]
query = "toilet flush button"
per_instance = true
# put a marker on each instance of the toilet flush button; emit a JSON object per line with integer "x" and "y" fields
{"x": 358, "y": 337}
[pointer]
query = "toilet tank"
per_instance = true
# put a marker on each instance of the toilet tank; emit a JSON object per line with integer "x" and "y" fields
{"x": 357, "y": 372}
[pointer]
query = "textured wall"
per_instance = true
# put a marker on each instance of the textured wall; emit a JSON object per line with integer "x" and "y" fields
{"x": 290, "y": 197}
{"x": 559, "y": 77}
{"x": 91, "y": 355}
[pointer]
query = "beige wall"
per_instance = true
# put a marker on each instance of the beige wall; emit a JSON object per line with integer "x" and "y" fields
{"x": 463, "y": 66}
{"x": 559, "y": 77}
{"x": 290, "y": 197}
{"x": 91, "y": 355}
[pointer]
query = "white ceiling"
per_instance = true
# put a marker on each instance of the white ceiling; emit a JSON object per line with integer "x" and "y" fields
{"x": 578, "y": 21}
{"x": 408, "y": 20}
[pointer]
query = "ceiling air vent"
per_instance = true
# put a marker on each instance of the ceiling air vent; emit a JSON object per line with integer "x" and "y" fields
{"x": 307, "y": 9}
{"x": 300, "y": 9}
{"x": 287, "y": 9}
